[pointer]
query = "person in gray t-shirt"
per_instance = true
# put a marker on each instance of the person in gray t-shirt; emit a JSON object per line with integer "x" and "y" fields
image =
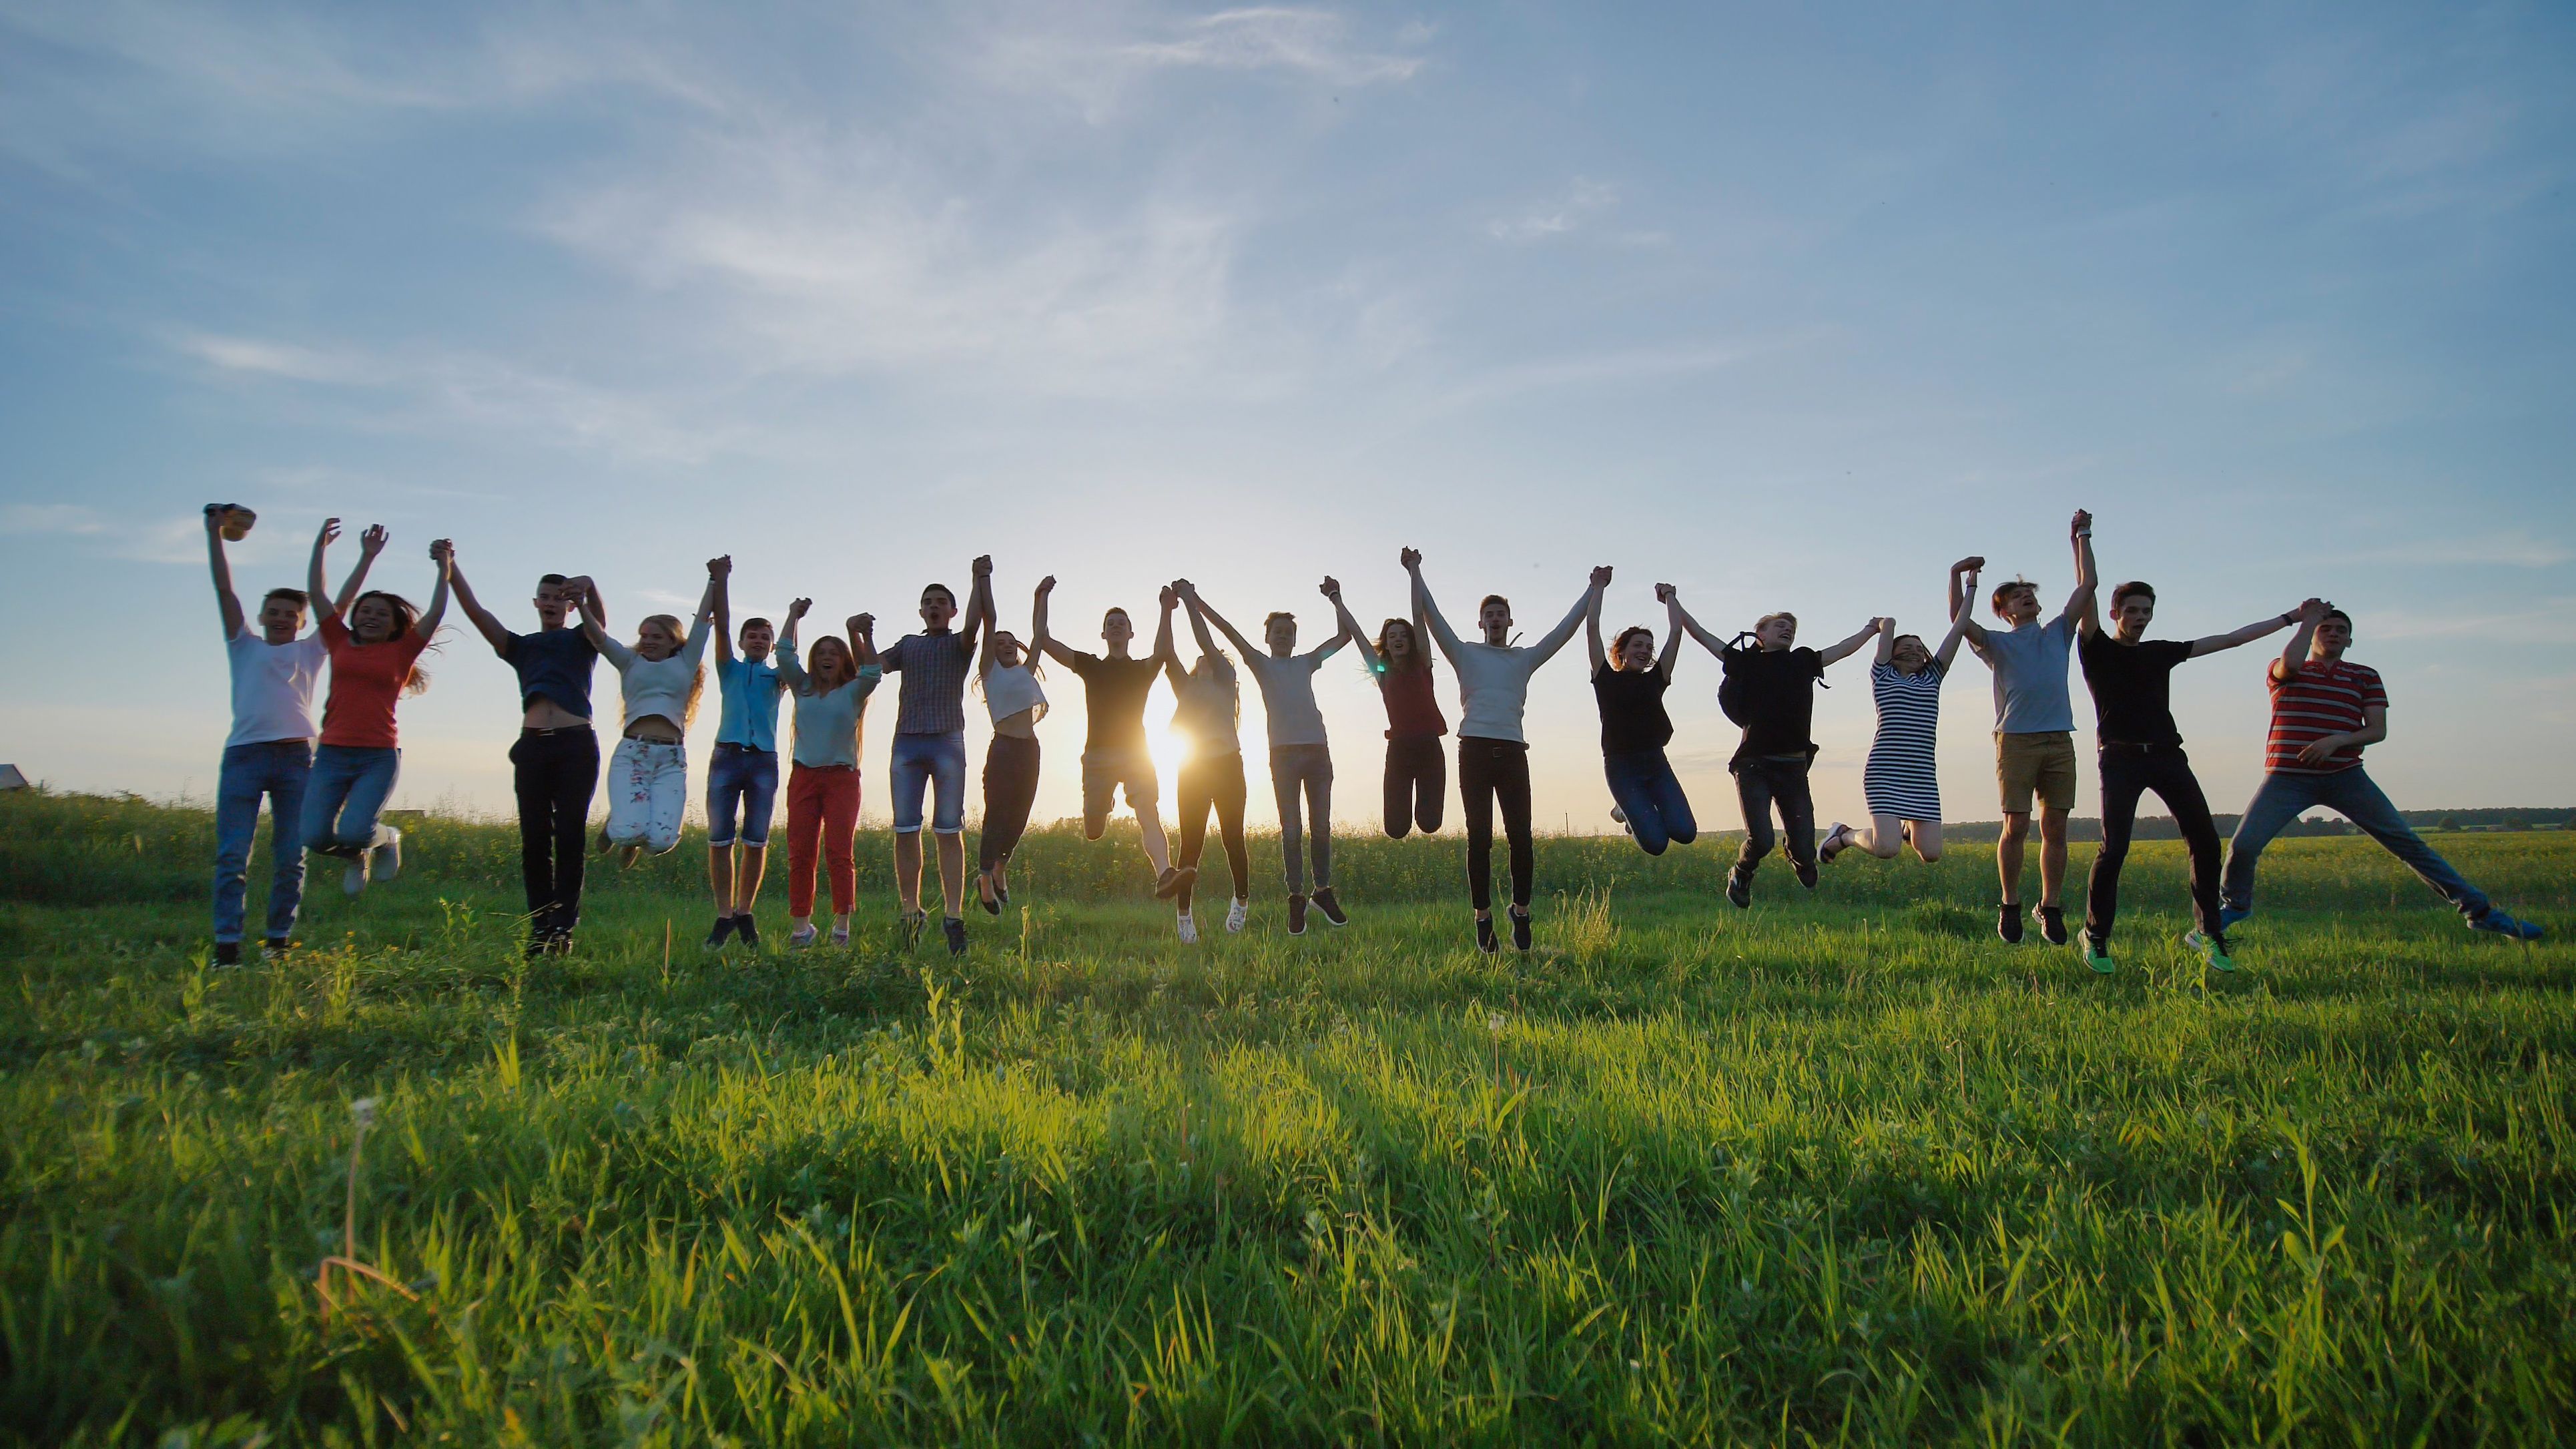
{"x": 1301, "y": 761}
{"x": 2034, "y": 727}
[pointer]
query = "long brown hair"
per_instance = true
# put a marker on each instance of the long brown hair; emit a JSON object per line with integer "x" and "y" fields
{"x": 406, "y": 619}
{"x": 1420, "y": 655}
{"x": 814, "y": 685}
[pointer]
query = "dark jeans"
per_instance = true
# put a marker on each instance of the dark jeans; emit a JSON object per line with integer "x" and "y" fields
{"x": 1417, "y": 784}
{"x": 1214, "y": 782}
{"x": 1763, "y": 783}
{"x": 1491, "y": 771}
{"x": 344, "y": 799}
{"x": 275, "y": 771}
{"x": 2283, "y": 797}
{"x": 554, "y": 772}
{"x": 1010, "y": 787}
{"x": 2129, "y": 771}
{"x": 1649, "y": 794}
{"x": 742, "y": 796}
{"x": 1306, "y": 769}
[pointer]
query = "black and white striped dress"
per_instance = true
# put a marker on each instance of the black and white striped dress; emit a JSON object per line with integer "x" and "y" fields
{"x": 1900, "y": 779}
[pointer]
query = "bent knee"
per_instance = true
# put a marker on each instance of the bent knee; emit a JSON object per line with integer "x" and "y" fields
{"x": 1684, "y": 834}
{"x": 1651, "y": 847}
{"x": 1927, "y": 855}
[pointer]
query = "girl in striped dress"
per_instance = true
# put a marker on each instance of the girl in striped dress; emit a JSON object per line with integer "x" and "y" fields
{"x": 1900, "y": 784}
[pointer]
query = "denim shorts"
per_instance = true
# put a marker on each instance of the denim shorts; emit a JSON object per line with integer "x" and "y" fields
{"x": 937, "y": 761}
{"x": 740, "y": 783}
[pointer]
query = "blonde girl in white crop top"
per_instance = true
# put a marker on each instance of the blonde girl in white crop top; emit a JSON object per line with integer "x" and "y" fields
{"x": 648, "y": 774}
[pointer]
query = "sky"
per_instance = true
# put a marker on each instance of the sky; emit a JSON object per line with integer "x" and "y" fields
{"x": 1788, "y": 306}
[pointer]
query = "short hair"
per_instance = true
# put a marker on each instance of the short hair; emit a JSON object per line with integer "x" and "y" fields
{"x": 757, "y": 622}
{"x": 1115, "y": 609}
{"x": 1275, "y": 616}
{"x": 292, "y": 596}
{"x": 943, "y": 588}
{"x": 1995, "y": 601}
{"x": 552, "y": 581}
{"x": 1491, "y": 600}
{"x": 2321, "y": 618}
{"x": 2131, "y": 587}
{"x": 1765, "y": 621}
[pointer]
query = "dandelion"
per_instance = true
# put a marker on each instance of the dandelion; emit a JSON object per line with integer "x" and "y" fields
{"x": 363, "y": 1112}
{"x": 1494, "y": 1022}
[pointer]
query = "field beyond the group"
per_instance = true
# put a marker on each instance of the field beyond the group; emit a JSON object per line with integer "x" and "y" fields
{"x": 1841, "y": 1168}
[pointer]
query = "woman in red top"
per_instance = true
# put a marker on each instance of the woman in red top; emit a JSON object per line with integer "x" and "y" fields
{"x": 1417, "y": 773}
{"x": 374, "y": 662}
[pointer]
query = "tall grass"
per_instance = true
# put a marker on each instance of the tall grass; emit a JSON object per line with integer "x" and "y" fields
{"x": 1840, "y": 1169}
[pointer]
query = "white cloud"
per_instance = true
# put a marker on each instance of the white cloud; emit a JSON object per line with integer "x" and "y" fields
{"x": 50, "y": 518}
{"x": 1580, "y": 203}
{"x": 1311, "y": 42}
{"x": 1096, "y": 58}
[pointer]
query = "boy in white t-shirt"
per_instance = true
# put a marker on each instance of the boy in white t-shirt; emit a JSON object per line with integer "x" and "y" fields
{"x": 269, "y": 754}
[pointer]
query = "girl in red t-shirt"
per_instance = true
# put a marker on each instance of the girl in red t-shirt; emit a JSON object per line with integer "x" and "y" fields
{"x": 1417, "y": 773}
{"x": 375, "y": 657}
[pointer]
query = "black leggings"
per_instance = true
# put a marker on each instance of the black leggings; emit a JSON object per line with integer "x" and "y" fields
{"x": 1417, "y": 784}
{"x": 554, "y": 775}
{"x": 1488, "y": 771}
{"x": 1214, "y": 782}
{"x": 1761, "y": 783}
{"x": 1010, "y": 785}
{"x": 2129, "y": 771}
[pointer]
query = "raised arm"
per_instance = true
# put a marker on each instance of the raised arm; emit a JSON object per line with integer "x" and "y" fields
{"x": 1170, "y": 599}
{"x": 1556, "y": 638}
{"x": 227, "y": 603}
{"x": 314, "y": 588}
{"x": 1351, "y": 627}
{"x": 439, "y": 551}
{"x": 2085, "y": 604}
{"x": 863, "y": 638}
{"x": 720, "y": 587}
{"x": 484, "y": 623}
{"x": 2251, "y": 632}
{"x": 694, "y": 648}
{"x": 1960, "y": 624}
{"x": 1039, "y": 639}
{"x": 2296, "y": 654}
{"x": 1592, "y": 629}
{"x": 979, "y": 603}
{"x": 1673, "y": 630}
{"x": 1425, "y": 607}
{"x": 1963, "y": 599}
{"x": 1886, "y": 642}
{"x": 1200, "y": 607}
{"x": 1836, "y": 653}
{"x": 371, "y": 541}
{"x": 586, "y": 604}
{"x": 791, "y": 670}
{"x": 1689, "y": 625}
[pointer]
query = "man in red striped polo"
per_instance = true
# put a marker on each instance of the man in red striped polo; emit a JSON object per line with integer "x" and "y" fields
{"x": 2324, "y": 710}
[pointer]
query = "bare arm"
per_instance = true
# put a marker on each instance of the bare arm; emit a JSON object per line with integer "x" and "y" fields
{"x": 2374, "y": 728}
{"x": 314, "y": 589}
{"x": 226, "y": 602}
{"x": 1198, "y": 618}
{"x": 1592, "y": 629}
{"x": 1963, "y": 599}
{"x": 720, "y": 590}
{"x": 2247, "y": 635}
{"x": 1163, "y": 650}
{"x": 484, "y": 622}
{"x": 863, "y": 639}
{"x": 1672, "y": 654}
{"x": 1838, "y": 652}
{"x": 2297, "y": 653}
{"x": 2085, "y": 604}
{"x": 586, "y": 604}
{"x": 427, "y": 628}
{"x": 694, "y": 647}
{"x": 1200, "y": 607}
{"x": 1886, "y": 642}
{"x": 979, "y": 602}
{"x": 1690, "y": 625}
{"x": 1351, "y": 628}
{"x": 1426, "y": 608}
{"x": 1959, "y": 627}
{"x": 371, "y": 541}
{"x": 1039, "y": 638}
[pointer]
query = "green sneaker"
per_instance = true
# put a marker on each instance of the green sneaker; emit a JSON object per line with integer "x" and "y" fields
{"x": 2212, "y": 949}
{"x": 2097, "y": 954}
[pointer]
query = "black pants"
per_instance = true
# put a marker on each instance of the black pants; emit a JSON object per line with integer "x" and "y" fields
{"x": 1010, "y": 787}
{"x": 1490, "y": 771}
{"x": 1417, "y": 784}
{"x": 1214, "y": 782}
{"x": 1762, "y": 784}
{"x": 555, "y": 772}
{"x": 2129, "y": 771}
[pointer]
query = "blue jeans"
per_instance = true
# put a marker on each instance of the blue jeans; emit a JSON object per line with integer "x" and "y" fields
{"x": 350, "y": 786}
{"x": 277, "y": 771}
{"x": 1643, "y": 784}
{"x": 930, "y": 760}
{"x": 2283, "y": 796}
{"x": 744, "y": 783}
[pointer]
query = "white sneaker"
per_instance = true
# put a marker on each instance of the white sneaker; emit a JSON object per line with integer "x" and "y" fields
{"x": 1833, "y": 843}
{"x": 1189, "y": 930}
{"x": 384, "y": 862}
{"x": 1235, "y": 913}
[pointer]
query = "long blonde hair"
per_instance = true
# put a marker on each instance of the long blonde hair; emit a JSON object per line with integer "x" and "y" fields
{"x": 679, "y": 638}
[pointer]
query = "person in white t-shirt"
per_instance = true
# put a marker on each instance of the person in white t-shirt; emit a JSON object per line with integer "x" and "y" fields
{"x": 276, "y": 667}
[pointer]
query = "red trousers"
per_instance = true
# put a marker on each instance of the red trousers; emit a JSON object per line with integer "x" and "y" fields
{"x": 822, "y": 809}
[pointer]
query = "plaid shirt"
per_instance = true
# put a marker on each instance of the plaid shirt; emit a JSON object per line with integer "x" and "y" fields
{"x": 934, "y": 668}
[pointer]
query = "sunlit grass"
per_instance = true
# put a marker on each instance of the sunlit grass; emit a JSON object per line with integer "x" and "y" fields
{"x": 1843, "y": 1168}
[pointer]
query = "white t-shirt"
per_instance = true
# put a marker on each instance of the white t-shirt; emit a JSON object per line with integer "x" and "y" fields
{"x": 273, "y": 687}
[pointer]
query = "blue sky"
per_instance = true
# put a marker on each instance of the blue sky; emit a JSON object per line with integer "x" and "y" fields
{"x": 1790, "y": 307}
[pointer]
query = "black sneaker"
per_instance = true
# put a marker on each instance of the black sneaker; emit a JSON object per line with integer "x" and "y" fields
{"x": 2052, "y": 923}
{"x": 228, "y": 953}
{"x": 1739, "y": 888}
{"x": 721, "y": 934}
{"x": 1486, "y": 940}
{"x": 1805, "y": 871}
{"x": 2008, "y": 923}
{"x": 1169, "y": 883}
{"x": 1520, "y": 930}
{"x": 1334, "y": 915}
{"x": 275, "y": 948}
{"x": 1296, "y": 915}
{"x": 985, "y": 895}
{"x": 746, "y": 930}
{"x": 955, "y": 930}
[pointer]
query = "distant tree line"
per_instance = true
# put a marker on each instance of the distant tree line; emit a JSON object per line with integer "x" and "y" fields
{"x": 2161, "y": 827}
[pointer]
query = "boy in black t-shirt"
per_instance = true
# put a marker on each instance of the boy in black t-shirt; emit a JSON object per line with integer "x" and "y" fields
{"x": 1774, "y": 684}
{"x": 2131, "y": 677}
{"x": 1114, "y": 755}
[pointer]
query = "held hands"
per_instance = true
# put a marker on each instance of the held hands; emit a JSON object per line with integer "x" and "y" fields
{"x": 1601, "y": 576}
{"x": 1171, "y": 598}
{"x": 1331, "y": 588}
{"x": 1974, "y": 564}
{"x": 1411, "y": 558}
{"x": 442, "y": 552}
{"x": 372, "y": 542}
{"x": 718, "y": 568}
{"x": 1187, "y": 590}
{"x": 2082, "y": 527}
{"x": 2313, "y": 610}
{"x": 983, "y": 565}
{"x": 796, "y": 611}
{"x": 1666, "y": 593}
{"x": 861, "y": 626}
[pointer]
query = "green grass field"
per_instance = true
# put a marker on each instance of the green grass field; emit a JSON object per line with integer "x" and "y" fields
{"x": 1842, "y": 1169}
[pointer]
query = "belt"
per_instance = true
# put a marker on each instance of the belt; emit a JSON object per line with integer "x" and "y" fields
{"x": 723, "y": 746}
{"x": 538, "y": 734}
{"x": 2133, "y": 746}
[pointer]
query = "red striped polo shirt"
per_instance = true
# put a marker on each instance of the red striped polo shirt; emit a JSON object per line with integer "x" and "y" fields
{"x": 2320, "y": 698}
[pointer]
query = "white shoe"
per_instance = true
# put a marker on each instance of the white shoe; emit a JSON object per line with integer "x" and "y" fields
{"x": 1189, "y": 930}
{"x": 384, "y": 862}
{"x": 1235, "y": 913}
{"x": 803, "y": 936}
{"x": 354, "y": 879}
{"x": 1833, "y": 843}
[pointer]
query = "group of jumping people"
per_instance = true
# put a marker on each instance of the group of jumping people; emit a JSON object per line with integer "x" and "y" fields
{"x": 330, "y": 800}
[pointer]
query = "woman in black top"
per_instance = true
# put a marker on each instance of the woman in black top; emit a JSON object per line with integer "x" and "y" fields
{"x": 1628, "y": 683}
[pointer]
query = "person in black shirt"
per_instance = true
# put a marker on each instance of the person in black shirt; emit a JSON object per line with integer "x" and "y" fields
{"x": 1773, "y": 689}
{"x": 1114, "y": 755}
{"x": 2131, "y": 677}
{"x": 1628, "y": 683}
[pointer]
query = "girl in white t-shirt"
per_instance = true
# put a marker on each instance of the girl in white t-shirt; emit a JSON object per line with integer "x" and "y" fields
{"x": 648, "y": 775}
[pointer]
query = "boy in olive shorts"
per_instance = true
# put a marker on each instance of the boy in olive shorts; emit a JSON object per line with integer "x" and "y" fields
{"x": 2034, "y": 728}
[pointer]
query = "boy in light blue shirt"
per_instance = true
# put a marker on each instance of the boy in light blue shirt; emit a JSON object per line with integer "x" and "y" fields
{"x": 742, "y": 778}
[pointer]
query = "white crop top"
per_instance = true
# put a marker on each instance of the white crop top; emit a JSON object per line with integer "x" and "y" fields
{"x": 659, "y": 686}
{"x": 1008, "y": 689}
